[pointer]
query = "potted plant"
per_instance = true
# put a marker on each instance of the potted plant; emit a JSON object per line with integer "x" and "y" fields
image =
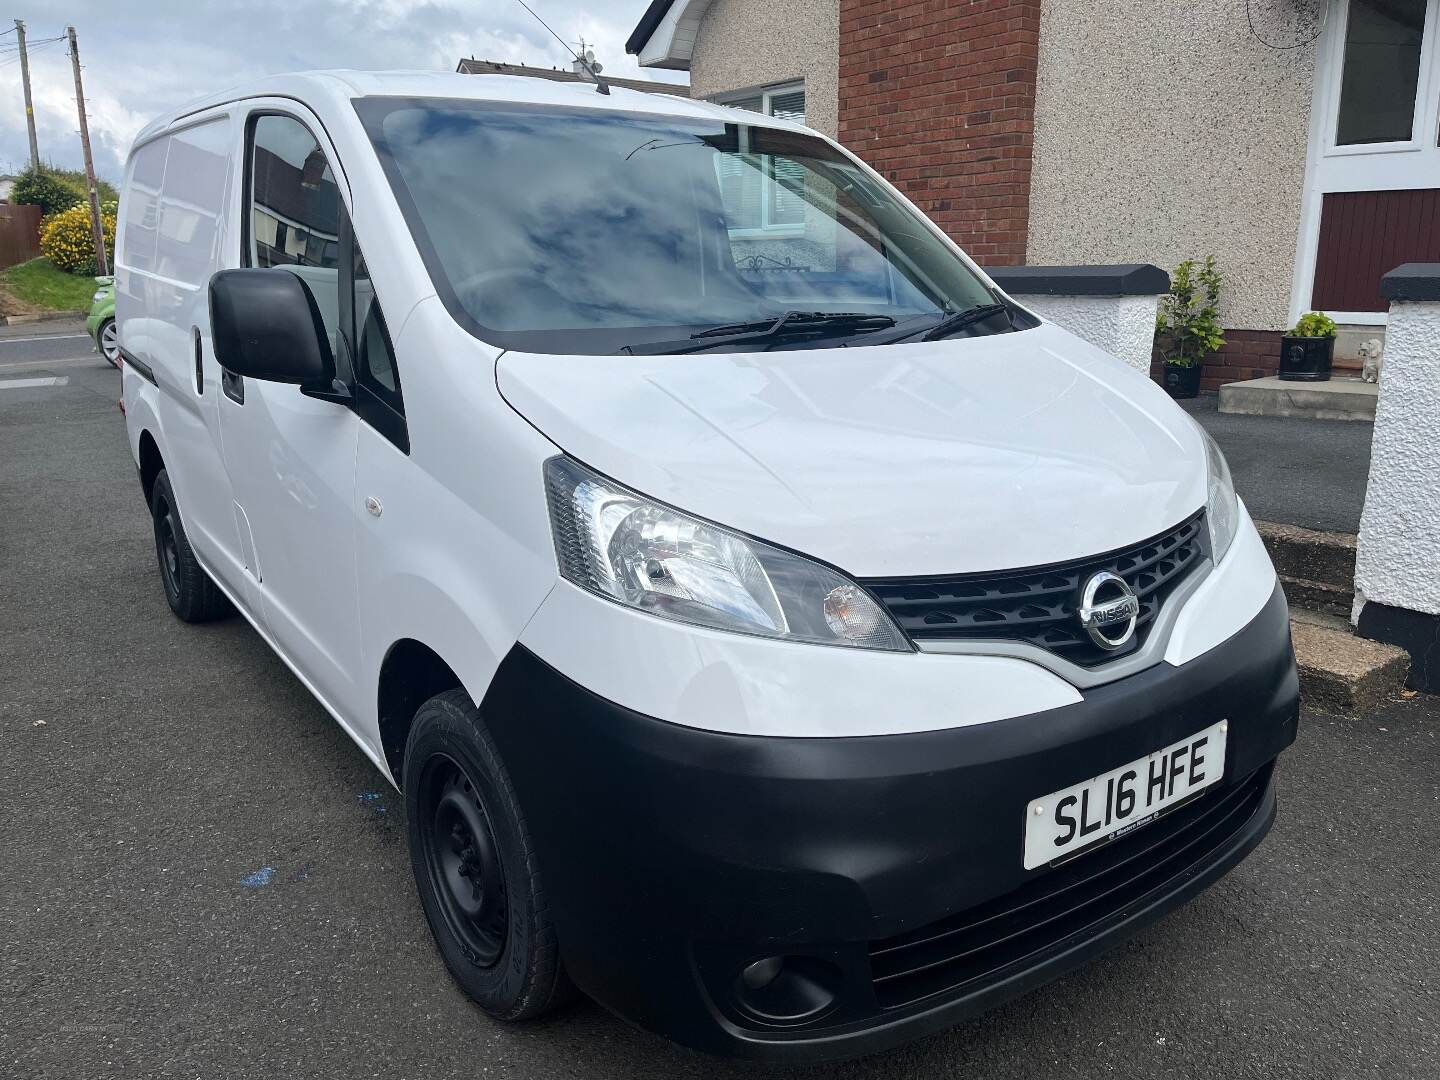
{"x": 1187, "y": 327}
{"x": 1306, "y": 352}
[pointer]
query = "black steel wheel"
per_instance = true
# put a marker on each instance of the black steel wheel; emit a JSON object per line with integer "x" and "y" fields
{"x": 476, "y": 870}
{"x": 463, "y": 861}
{"x": 188, "y": 588}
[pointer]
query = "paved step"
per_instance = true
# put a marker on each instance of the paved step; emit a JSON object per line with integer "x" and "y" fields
{"x": 1327, "y": 558}
{"x": 1338, "y": 670}
{"x": 1342, "y": 672}
{"x": 1316, "y": 596}
{"x": 1338, "y": 399}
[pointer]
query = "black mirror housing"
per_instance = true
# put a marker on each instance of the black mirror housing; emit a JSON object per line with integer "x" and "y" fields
{"x": 265, "y": 324}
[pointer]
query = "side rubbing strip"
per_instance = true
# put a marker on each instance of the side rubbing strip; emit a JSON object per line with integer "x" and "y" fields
{"x": 139, "y": 367}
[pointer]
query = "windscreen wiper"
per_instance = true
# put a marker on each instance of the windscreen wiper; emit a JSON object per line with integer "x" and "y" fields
{"x": 766, "y": 331}
{"x": 949, "y": 324}
{"x": 962, "y": 319}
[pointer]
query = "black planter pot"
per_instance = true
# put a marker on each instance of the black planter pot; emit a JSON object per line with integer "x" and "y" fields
{"x": 1182, "y": 382}
{"x": 1306, "y": 359}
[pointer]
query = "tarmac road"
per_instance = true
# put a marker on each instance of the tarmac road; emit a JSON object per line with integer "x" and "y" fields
{"x": 203, "y": 877}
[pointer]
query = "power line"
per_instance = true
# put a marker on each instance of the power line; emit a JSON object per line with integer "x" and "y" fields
{"x": 36, "y": 41}
{"x": 11, "y": 61}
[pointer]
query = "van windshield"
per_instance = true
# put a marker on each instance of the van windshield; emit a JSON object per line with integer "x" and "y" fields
{"x": 582, "y": 230}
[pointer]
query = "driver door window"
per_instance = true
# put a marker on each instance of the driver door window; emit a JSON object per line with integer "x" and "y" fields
{"x": 296, "y": 212}
{"x": 298, "y": 222}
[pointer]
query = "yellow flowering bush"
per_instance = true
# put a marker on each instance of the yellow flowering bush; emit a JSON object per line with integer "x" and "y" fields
{"x": 66, "y": 239}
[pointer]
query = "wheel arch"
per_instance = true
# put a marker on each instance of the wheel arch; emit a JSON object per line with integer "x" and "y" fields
{"x": 410, "y": 675}
{"x": 151, "y": 463}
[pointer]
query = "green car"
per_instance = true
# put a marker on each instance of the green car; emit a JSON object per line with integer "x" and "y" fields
{"x": 101, "y": 323}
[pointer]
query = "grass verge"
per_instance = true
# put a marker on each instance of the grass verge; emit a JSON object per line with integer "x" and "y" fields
{"x": 37, "y": 286}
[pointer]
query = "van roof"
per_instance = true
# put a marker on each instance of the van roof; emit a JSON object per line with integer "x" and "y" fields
{"x": 340, "y": 86}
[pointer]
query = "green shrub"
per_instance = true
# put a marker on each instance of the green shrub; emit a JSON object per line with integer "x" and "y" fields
{"x": 67, "y": 241}
{"x": 45, "y": 190}
{"x": 54, "y": 190}
{"x": 1187, "y": 327}
{"x": 1314, "y": 324}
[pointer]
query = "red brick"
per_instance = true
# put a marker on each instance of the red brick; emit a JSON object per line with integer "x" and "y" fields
{"x": 939, "y": 96}
{"x": 1246, "y": 354}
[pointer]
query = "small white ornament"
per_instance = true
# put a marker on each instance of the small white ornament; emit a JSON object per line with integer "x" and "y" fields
{"x": 1372, "y": 359}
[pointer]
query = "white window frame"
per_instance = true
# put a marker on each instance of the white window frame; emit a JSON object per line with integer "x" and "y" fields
{"x": 765, "y": 94}
{"x": 1330, "y": 167}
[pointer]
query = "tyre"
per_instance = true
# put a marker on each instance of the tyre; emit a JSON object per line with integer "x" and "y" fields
{"x": 188, "y": 588}
{"x": 109, "y": 342}
{"x": 475, "y": 867}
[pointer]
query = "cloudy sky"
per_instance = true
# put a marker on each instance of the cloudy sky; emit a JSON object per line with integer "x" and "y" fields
{"x": 142, "y": 57}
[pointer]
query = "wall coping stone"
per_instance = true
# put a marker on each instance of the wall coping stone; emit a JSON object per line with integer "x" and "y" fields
{"x": 1122, "y": 279}
{"x": 1412, "y": 281}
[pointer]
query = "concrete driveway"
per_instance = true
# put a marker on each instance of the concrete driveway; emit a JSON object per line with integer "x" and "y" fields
{"x": 203, "y": 877}
{"x": 1310, "y": 473}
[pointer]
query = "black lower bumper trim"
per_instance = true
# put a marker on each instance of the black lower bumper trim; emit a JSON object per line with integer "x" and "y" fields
{"x": 673, "y": 857}
{"x": 1078, "y": 900}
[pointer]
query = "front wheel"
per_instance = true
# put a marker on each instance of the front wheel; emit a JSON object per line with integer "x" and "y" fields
{"x": 109, "y": 342}
{"x": 474, "y": 866}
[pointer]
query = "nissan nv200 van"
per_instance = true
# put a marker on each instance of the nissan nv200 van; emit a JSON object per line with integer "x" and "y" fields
{"x": 777, "y": 631}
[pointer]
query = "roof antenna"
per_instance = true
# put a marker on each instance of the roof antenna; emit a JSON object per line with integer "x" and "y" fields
{"x": 584, "y": 62}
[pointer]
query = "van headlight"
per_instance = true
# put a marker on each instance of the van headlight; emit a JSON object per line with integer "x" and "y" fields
{"x": 622, "y": 546}
{"x": 1222, "y": 508}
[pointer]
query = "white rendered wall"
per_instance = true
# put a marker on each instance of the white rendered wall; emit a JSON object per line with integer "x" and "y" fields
{"x": 1123, "y": 326}
{"x": 1398, "y": 556}
{"x": 1167, "y": 130}
{"x": 747, "y": 44}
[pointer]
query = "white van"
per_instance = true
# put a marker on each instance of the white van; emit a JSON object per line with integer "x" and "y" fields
{"x": 777, "y": 632}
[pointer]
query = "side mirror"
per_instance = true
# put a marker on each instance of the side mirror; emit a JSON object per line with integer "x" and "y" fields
{"x": 265, "y": 324}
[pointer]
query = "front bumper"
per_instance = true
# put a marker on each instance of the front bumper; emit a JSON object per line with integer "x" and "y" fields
{"x": 672, "y": 856}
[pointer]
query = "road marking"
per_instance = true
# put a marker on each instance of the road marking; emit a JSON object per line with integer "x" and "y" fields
{"x": 16, "y": 365}
{"x": 42, "y": 337}
{"x": 24, "y": 384}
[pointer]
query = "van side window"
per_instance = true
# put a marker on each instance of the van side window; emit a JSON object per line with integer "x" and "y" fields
{"x": 295, "y": 203}
{"x": 295, "y": 212}
{"x": 298, "y": 222}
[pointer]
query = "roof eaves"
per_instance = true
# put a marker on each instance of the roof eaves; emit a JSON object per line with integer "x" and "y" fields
{"x": 646, "y": 26}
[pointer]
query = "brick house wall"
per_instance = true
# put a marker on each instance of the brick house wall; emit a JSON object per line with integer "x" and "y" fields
{"x": 940, "y": 97}
{"x": 1246, "y": 354}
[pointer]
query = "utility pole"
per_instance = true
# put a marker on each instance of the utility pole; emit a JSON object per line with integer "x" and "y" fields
{"x": 29, "y": 106}
{"x": 101, "y": 264}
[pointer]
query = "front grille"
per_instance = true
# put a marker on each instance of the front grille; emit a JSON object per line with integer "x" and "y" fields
{"x": 1040, "y": 605}
{"x": 1042, "y": 915}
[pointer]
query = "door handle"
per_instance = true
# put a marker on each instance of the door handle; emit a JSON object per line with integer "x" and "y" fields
{"x": 199, "y": 361}
{"x": 233, "y": 386}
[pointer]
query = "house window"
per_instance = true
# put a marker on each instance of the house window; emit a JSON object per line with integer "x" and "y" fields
{"x": 765, "y": 192}
{"x": 1381, "y": 70}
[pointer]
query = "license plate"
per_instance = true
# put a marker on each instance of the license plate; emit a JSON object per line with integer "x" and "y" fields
{"x": 1117, "y": 802}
